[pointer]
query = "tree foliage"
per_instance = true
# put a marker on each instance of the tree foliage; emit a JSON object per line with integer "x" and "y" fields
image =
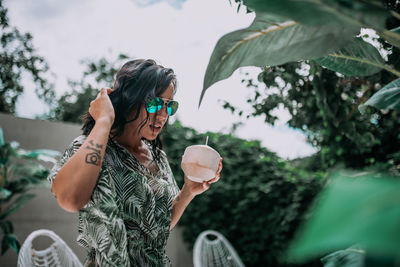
{"x": 17, "y": 58}
{"x": 71, "y": 105}
{"x": 323, "y": 104}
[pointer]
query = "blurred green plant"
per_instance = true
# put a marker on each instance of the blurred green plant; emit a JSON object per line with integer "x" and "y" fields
{"x": 20, "y": 171}
{"x": 355, "y": 208}
{"x": 351, "y": 257}
{"x": 258, "y": 203}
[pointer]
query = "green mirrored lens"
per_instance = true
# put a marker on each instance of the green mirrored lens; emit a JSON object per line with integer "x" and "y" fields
{"x": 157, "y": 104}
{"x": 154, "y": 105}
{"x": 172, "y": 107}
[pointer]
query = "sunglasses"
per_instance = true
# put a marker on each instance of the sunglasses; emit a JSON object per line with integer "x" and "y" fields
{"x": 158, "y": 103}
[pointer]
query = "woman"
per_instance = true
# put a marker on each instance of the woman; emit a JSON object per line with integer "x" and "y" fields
{"x": 116, "y": 175}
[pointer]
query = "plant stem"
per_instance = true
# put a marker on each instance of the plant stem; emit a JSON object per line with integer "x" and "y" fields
{"x": 362, "y": 99}
{"x": 391, "y": 37}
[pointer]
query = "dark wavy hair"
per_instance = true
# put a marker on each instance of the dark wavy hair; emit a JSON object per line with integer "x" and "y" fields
{"x": 136, "y": 82}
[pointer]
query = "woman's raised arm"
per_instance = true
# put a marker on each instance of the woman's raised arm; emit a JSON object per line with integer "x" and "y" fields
{"x": 75, "y": 181}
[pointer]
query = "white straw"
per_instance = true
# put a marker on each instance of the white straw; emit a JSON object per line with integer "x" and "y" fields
{"x": 207, "y": 140}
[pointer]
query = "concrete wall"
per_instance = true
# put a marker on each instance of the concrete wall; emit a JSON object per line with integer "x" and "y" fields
{"x": 43, "y": 211}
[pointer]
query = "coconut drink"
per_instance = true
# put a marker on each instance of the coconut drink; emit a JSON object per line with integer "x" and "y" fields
{"x": 200, "y": 162}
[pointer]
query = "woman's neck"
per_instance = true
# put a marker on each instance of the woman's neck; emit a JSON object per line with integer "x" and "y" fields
{"x": 133, "y": 145}
{"x": 141, "y": 153}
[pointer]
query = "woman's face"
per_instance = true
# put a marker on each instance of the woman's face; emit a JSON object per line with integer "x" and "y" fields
{"x": 153, "y": 125}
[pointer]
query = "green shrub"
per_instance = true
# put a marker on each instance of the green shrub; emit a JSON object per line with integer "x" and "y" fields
{"x": 257, "y": 204}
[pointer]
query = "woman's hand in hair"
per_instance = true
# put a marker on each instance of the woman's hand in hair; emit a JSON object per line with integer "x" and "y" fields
{"x": 101, "y": 109}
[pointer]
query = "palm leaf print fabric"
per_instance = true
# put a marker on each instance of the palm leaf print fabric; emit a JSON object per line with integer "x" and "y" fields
{"x": 127, "y": 220}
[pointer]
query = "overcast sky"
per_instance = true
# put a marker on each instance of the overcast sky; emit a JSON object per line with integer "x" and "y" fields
{"x": 177, "y": 34}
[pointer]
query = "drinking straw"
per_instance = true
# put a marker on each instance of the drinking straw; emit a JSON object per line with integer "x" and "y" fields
{"x": 207, "y": 140}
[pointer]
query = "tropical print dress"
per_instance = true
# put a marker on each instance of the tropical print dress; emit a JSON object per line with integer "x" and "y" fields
{"x": 127, "y": 220}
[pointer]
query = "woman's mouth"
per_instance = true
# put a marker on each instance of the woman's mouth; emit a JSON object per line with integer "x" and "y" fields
{"x": 155, "y": 128}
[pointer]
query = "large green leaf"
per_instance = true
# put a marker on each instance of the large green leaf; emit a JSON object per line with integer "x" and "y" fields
{"x": 10, "y": 241}
{"x": 7, "y": 227}
{"x": 343, "y": 13}
{"x": 28, "y": 168}
{"x": 25, "y": 184}
{"x": 271, "y": 41}
{"x": 386, "y": 98}
{"x": 16, "y": 205}
{"x": 352, "y": 210}
{"x": 358, "y": 58}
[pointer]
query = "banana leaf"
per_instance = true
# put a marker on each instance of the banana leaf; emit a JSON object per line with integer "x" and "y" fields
{"x": 358, "y": 58}
{"x": 271, "y": 40}
{"x": 386, "y": 98}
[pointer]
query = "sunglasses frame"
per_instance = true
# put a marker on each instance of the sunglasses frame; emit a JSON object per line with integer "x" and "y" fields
{"x": 166, "y": 102}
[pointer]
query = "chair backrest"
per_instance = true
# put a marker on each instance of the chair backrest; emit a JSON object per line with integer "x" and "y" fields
{"x": 213, "y": 249}
{"x": 58, "y": 254}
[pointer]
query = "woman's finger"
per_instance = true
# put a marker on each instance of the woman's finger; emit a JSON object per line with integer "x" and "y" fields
{"x": 219, "y": 168}
{"x": 213, "y": 180}
{"x": 205, "y": 186}
{"x": 109, "y": 91}
{"x": 102, "y": 91}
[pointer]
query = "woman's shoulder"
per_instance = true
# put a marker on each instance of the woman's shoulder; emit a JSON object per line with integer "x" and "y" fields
{"x": 79, "y": 139}
{"x": 69, "y": 151}
{"x": 75, "y": 144}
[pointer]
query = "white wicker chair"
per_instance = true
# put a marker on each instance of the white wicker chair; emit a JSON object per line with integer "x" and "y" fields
{"x": 212, "y": 249}
{"x": 58, "y": 254}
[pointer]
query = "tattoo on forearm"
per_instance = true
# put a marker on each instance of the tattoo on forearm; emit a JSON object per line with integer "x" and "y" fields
{"x": 94, "y": 157}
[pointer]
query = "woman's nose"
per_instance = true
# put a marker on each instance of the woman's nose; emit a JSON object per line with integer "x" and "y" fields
{"x": 163, "y": 111}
